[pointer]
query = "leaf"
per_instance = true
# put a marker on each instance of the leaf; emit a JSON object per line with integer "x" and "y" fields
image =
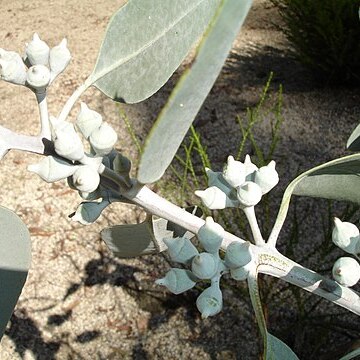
{"x": 337, "y": 180}
{"x": 191, "y": 91}
{"x": 351, "y": 355}
{"x": 275, "y": 349}
{"x": 145, "y": 42}
{"x": 127, "y": 241}
{"x": 15, "y": 258}
{"x": 353, "y": 142}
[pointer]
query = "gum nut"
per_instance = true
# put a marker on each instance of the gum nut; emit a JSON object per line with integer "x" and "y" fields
{"x": 210, "y": 302}
{"x": 237, "y": 254}
{"x": 12, "y": 68}
{"x": 68, "y": 144}
{"x": 346, "y": 236}
{"x": 103, "y": 139}
{"x": 52, "y": 169}
{"x": 266, "y": 177}
{"x": 234, "y": 172}
{"x": 178, "y": 280}
{"x": 346, "y": 271}
{"x": 88, "y": 212}
{"x": 59, "y": 58}
{"x": 249, "y": 194}
{"x": 37, "y": 51}
{"x": 86, "y": 179}
{"x": 217, "y": 179}
{"x": 204, "y": 265}
{"x": 250, "y": 168}
{"x": 211, "y": 235}
{"x": 88, "y": 120}
{"x": 38, "y": 76}
{"x": 181, "y": 249}
{"x": 213, "y": 198}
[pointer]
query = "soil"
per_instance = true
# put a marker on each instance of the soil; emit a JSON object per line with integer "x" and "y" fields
{"x": 80, "y": 302}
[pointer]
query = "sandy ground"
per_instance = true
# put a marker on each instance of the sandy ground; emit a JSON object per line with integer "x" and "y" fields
{"x": 81, "y": 303}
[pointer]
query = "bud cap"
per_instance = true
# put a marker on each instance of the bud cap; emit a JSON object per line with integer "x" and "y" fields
{"x": 86, "y": 178}
{"x": 204, "y": 265}
{"x": 211, "y": 235}
{"x": 346, "y": 271}
{"x": 181, "y": 249}
{"x": 88, "y": 120}
{"x": 249, "y": 194}
{"x": 37, "y": 51}
{"x": 210, "y": 302}
{"x": 346, "y": 236}
{"x": 178, "y": 280}
{"x": 234, "y": 172}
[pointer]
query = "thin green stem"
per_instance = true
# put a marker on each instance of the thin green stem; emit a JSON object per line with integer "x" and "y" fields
{"x": 250, "y": 215}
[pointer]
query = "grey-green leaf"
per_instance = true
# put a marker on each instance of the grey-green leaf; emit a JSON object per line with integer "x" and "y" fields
{"x": 189, "y": 94}
{"x": 353, "y": 142}
{"x": 277, "y": 350}
{"x": 128, "y": 241}
{"x": 145, "y": 42}
{"x": 337, "y": 179}
{"x": 351, "y": 355}
{"x": 15, "y": 258}
{"x": 274, "y": 348}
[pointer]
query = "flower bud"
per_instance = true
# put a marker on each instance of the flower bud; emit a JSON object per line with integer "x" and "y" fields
{"x": 59, "y": 58}
{"x": 37, "y": 51}
{"x": 178, "y": 280}
{"x": 103, "y": 139}
{"x": 67, "y": 143}
{"x": 346, "y": 236}
{"x": 250, "y": 168}
{"x": 210, "y": 302}
{"x": 234, "y": 172}
{"x": 266, "y": 177}
{"x": 240, "y": 273}
{"x": 88, "y": 120}
{"x": 217, "y": 179}
{"x": 89, "y": 212}
{"x": 52, "y": 169}
{"x": 346, "y": 271}
{"x": 249, "y": 194}
{"x": 237, "y": 254}
{"x": 204, "y": 265}
{"x": 12, "y": 67}
{"x": 38, "y": 77}
{"x": 214, "y": 198}
{"x": 211, "y": 235}
{"x": 86, "y": 178}
{"x": 181, "y": 249}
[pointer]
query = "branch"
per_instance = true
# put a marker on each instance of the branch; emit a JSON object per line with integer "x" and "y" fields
{"x": 11, "y": 140}
{"x": 268, "y": 259}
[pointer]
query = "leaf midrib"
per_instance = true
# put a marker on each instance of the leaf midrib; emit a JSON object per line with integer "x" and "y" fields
{"x": 92, "y": 78}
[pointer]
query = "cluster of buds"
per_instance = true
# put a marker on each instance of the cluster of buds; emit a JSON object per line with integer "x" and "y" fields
{"x": 81, "y": 169}
{"x": 346, "y": 270}
{"x": 239, "y": 185}
{"x": 206, "y": 265}
{"x": 40, "y": 66}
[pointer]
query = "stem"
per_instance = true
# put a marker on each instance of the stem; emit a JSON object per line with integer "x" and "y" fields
{"x": 269, "y": 260}
{"x": 44, "y": 115}
{"x": 250, "y": 215}
{"x": 12, "y": 140}
{"x": 72, "y": 100}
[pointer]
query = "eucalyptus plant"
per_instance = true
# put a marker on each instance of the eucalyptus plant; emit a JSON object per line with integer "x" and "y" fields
{"x": 131, "y": 66}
